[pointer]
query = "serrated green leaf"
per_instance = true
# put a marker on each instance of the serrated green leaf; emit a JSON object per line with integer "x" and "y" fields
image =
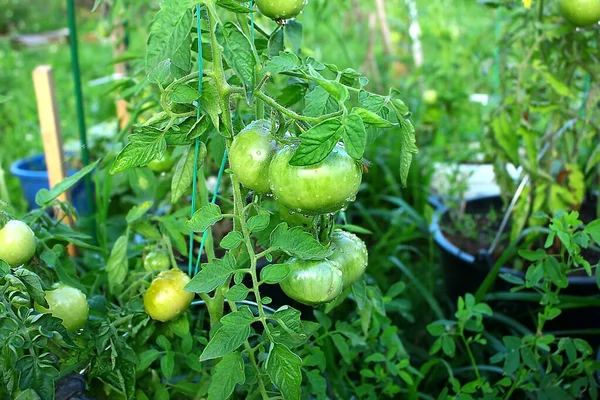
{"x": 239, "y": 55}
{"x": 283, "y": 367}
{"x": 275, "y": 273}
{"x": 146, "y": 359}
{"x": 117, "y": 265}
{"x": 355, "y": 136}
{"x": 237, "y": 292}
{"x": 232, "y": 240}
{"x": 284, "y": 62}
{"x": 297, "y": 242}
{"x": 167, "y": 365}
{"x": 212, "y": 275}
{"x": 228, "y": 373}
{"x": 259, "y": 222}
{"x": 204, "y": 218}
{"x": 234, "y": 6}
{"x": 370, "y": 118}
{"x": 319, "y": 102}
{"x": 182, "y": 93}
{"x": 317, "y": 143}
{"x": 44, "y": 196}
{"x": 231, "y": 335}
{"x": 145, "y": 144}
{"x": 138, "y": 211}
{"x": 184, "y": 174}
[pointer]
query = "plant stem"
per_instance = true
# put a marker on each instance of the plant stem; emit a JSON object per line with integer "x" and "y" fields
{"x": 294, "y": 115}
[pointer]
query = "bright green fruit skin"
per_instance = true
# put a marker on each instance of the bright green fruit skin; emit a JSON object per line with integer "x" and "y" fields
{"x": 156, "y": 261}
{"x": 67, "y": 303}
{"x": 17, "y": 243}
{"x": 166, "y": 298}
{"x": 430, "y": 96}
{"x": 580, "y": 12}
{"x": 351, "y": 255}
{"x": 162, "y": 164}
{"x": 294, "y": 218}
{"x": 280, "y": 9}
{"x": 250, "y": 155}
{"x": 321, "y": 188}
{"x": 313, "y": 282}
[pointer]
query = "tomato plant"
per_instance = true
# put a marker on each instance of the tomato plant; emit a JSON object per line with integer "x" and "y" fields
{"x": 280, "y": 10}
{"x": 313, "y": 282}
{"x": 166, "y": 299}
{"x": 580, "y": 12}
{"x": 68, "y": 304}
{"x": 320, "y": 188}
{"x": 17, "y": 243}
{"x": 350, "y": 253}
{"x": 251, "y": 153}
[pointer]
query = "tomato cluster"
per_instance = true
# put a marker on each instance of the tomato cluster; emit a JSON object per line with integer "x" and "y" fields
{"x": 321, "y": 188}
{"x": 317, "y": 282}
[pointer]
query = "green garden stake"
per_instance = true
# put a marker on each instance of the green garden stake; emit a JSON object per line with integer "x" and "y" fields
{"x": 85, "y": 156}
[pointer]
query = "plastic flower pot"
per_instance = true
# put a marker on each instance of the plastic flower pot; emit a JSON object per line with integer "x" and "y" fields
{"x": 464, "y": 272}
{"x": 33, "y": 176}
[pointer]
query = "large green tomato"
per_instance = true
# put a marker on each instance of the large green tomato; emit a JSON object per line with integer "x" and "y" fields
{"x": 67, "y": 303}
{"x": 17, "y": 243}
{"x": 250, "y": 155}
{"x": 280, "y": 9}
{"x": 156, "y": 261}
{"x": 166, "y": 298}
{"x": 580, "y": 12}
{"x": 351, "y": 254}
{"x": 313, "y": 282}
{"x": 321, "y": 188}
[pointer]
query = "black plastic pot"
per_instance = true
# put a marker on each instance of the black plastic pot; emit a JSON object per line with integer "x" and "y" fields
{"x": 464, "y": 273}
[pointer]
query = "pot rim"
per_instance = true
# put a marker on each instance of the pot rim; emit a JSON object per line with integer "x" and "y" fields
{"x": 18, "y": 169}
{"x": 442, "y": 241}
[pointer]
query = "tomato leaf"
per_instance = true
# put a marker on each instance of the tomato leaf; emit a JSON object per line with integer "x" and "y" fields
{"x": 138, "y": 211}
{"x": 4, "y": 268}
{"x": 371, "y": 102}
{"x": 145, "y": 144}
{"x": 173, "y": 227}
{"x": 36, "y": 375}
{"x": 169, "y": 37}
{"x": 239, "y": 55}
{"x": 212, "y": 275}
{"x": 233, "y": 6}
{"x": 183, "y": 175}
{"x": 231, "y": 335}
{"x": 44, "y": 196}
{"x": 259, "y": 222}
{"x": 274, "y": 273}
{"x": 297, "y": 242}
{"x": 167, "y": 365}
{"x": 319, "y": 102}
{"x": 275, "y": 45}
{"x": 335, "y": 89}
{"x": 232, "y": 240}
{"x": 228, "y": 373}
{"x": 182, "y": 93}
{"x": 370, "y": 118}
{"x": 409, "y": 148}
{"x": 284, "y": 62}
{"x": 146, "y": 359}
{"x": 293, "y": 32}
{"x": 317, "y": 143}
{"x": 204, "y": 218}
{"x": 283, "y": 367}
{"x": 593, "y": 229}
{"x": 355, "y": 136}
{"x": 117, "y": 266}
{"x": 33, "y": 283}
{"x": 237, "y": 292}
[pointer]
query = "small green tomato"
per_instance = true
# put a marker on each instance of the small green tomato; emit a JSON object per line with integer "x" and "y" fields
{"x": 313, "y": 282}
{"x": 17, "y": 243}
{"x": 67, "y": 303}
{"x": 280, "y": 9}
{"x": 156, "y": 261}
{"x": 351, "y": 255}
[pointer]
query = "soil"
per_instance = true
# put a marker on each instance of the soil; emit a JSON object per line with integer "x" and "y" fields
{"x": 484, "y": 226}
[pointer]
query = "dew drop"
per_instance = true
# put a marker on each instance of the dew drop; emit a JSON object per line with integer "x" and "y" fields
{"x": 291, "y": 212}
{"x": 299, "y": 210}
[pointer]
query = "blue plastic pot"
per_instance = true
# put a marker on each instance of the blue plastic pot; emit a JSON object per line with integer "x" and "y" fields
{"x": 33, "y": 175}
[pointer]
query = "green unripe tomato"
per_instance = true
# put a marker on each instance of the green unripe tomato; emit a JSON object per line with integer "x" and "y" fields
{"x": 580, "y": 12}
{"x": 350, "y": 253}
{"x": 430, "y": 96}
{"x": 166, "y": 297}
{"x": 313, "y": 282}
{"x": 280, "y": 9}
{"x": 17, "y": 243}
{"x": 67, "y": 303}
{"x": 162, "y": 164}
{"x": 321, "y": 188}
{"x": 250, "y": 156}
{"x": 295, "y": 219}
{"x": 156, "y": 261}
